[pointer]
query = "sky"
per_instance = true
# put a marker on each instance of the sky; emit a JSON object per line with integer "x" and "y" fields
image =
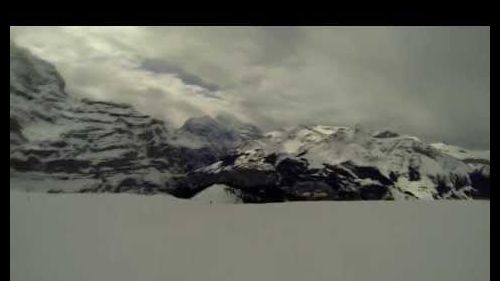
{"x": 431, "y": 82}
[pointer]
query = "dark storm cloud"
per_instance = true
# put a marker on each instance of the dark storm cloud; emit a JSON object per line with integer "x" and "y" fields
{"x": 432, "y": 82}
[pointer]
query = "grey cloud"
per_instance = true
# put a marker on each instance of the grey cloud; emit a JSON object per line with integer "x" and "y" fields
{"x": 278, "y": 45}
{"x": 159, "y": 66}
{"x": 432, "y": 82}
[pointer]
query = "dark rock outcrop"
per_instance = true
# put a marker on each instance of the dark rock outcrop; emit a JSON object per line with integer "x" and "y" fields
{"x": 289, "y": 180}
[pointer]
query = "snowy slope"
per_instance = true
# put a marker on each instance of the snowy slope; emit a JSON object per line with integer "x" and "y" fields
{"x": 342, "y": 163}
{"x": 114, "y": 148}
{"x": 55, "y": 136}
{"x": 462, "y": 153}
{"x": 218, "y": 193}
{"x": 81, "y": 237}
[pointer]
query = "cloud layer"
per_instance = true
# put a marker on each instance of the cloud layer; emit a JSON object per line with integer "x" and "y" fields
{"x": 433, "y": 82}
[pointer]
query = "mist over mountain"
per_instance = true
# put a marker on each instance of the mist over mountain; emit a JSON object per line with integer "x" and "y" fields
{"x": 104, "y": 145}
{"x": 63, "y": 143}
{"x": 432, "y": 82}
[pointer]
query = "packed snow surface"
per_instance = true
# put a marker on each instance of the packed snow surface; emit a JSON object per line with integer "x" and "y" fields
{"x": 122, "y": 237}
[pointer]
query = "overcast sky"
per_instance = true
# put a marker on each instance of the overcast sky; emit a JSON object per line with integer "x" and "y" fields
{"x": 432, "y": 82}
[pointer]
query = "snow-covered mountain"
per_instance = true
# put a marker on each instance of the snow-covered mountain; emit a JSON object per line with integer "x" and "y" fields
{"x": 222, "y": 133}
{"x": 100, "y": 146}
{"x": 342, "y": 163}
{"x": 55, "y": 135}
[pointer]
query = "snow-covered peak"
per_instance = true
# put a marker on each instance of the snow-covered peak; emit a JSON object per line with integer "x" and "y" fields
{"x": 218, "y": 193}
{"x": 115, "y": 147}
{"x": 196, "y": 124}
{"x": 119, "y": 149}
{"x": 462, "y": 153}
{"x": 27, "y": 72}
{"x": 402, "y": 163}
{"x": 34, "y": 82}
{"x": 221, "y": 133}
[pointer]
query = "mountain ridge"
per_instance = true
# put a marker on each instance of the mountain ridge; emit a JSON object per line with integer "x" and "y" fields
{"x": 111, "y": 147}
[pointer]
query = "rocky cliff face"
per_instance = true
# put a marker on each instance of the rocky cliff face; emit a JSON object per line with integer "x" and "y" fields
{"x": 59, "y": 136}
{"x": 341, "y": 163}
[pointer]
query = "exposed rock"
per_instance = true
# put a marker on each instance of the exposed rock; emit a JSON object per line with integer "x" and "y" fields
{"x": 118, "y": 149}
{"x": 338, "y": 163}
{"x": 385, "y": 134}
{"x": 60, "y": 136}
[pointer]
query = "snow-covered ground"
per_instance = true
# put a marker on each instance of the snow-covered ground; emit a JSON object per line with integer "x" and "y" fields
{"x": 122, "y": 237}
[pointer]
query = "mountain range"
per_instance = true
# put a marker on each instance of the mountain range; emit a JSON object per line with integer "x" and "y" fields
{"x": 60, "y": 143}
